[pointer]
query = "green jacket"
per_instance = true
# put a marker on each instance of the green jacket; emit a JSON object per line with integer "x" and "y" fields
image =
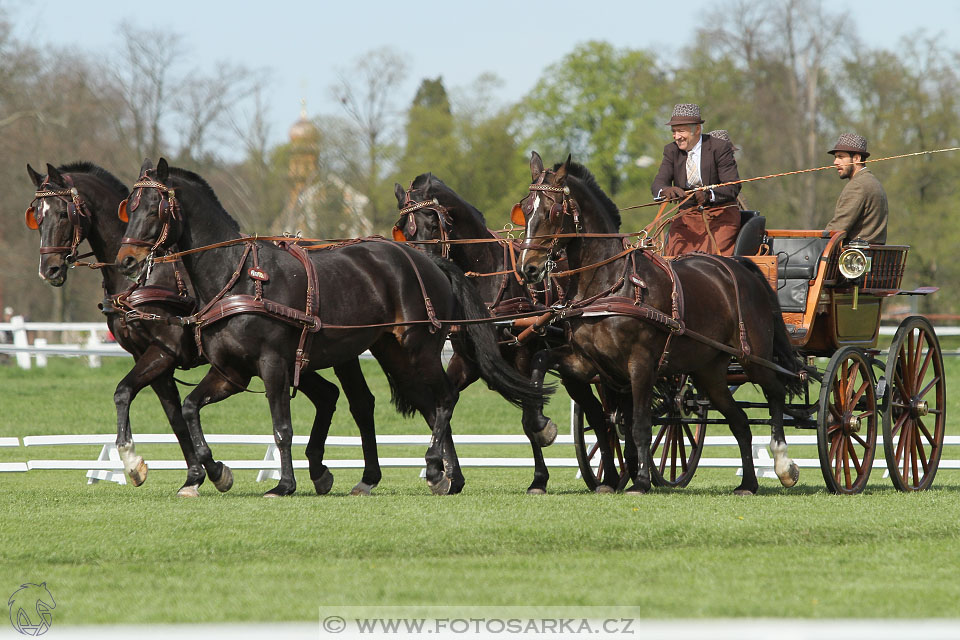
{"x": 862, "y": 209}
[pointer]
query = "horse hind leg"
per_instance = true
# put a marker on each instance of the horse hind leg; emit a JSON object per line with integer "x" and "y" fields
{"x": 362, "y": 403}
{"x": 323, "y": 394}
{"x": 786, "y": 469}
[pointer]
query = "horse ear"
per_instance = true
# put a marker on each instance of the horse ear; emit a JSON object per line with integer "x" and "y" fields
{"x": 400, "y": 193}
{"x": 536, "y": 165}
{"x": 34, "y": 176}
{"x": 53, "y": 174}
{"x": 562, "y": 171}
{"x": 146, "y": 166}
{"x": 163, "y": 170}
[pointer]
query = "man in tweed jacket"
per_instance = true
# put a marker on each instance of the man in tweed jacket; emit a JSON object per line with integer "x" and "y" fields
{"x": 710, "y": 218}
{"x": 862, "y": 206}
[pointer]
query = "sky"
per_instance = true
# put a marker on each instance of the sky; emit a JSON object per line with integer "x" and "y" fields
{"x": 303, "y": 46}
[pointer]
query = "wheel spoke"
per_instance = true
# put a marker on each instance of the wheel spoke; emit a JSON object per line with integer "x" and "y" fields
{"x": 921, "y": 454}
{"x": 846, "y": 462}
{"x": 855, "y": 460}
{"x": 860, "y": 441}
{"x": 930, "y": 386}
{"x": 659, "y": 438}
{"x": 926, "y": 363}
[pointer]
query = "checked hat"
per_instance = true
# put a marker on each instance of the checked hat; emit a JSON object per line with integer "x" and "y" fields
{"x": 851, "y": 143}
{"x": 686, "y": 113}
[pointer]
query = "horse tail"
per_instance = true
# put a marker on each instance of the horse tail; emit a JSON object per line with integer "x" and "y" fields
{"x": 480, "y": 340}
{"x": 783, "y": 352}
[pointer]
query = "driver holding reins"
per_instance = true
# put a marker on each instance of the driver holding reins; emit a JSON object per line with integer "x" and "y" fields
{"x": 711, "y": 218}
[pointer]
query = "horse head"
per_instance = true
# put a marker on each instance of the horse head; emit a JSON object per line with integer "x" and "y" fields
{"x": 154, "y": 219}
{"x": 63, "y": 219}
{"x": 422, "y": 216}
{"x": 548, "y": 213}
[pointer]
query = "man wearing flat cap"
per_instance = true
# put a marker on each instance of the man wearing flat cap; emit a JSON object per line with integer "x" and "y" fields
{"x": 862, "y": 206}
{"x": 693, "y": 161}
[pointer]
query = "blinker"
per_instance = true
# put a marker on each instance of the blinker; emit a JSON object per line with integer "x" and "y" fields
{"x": 398, "y": 235}
{"x": 122, "y": 212}
{"x": 517, "y": 217}
{"x": 31, "y": 218}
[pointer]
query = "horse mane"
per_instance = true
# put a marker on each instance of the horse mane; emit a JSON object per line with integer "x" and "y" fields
{"x": 428, "y": 181}
{"x": 583, "y": 174}
{"x": 82, "y": 166}
{"x": 196, "y": 180}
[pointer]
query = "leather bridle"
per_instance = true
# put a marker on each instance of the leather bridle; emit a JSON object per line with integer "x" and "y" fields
{"x": 168, "y": 210}
{"x": 77, "y": 213}
{"x": 409, "y": 222}
{"x": 567, "y": 206}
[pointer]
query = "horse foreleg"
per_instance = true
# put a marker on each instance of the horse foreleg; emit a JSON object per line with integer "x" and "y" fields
{"x": 641, "y": 387}
{"x": 593, "y": 412}
{"x": 323, "y": 395}
{"x": 540, "y": 430}
{"x": 362, "y": 403}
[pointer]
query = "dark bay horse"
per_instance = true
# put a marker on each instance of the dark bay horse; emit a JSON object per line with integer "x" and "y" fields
{"x": 299, "y": 311}
{"x": 430, "y": 210}
{"x": 625, "y": 325}
{"x": 137, "y": 317}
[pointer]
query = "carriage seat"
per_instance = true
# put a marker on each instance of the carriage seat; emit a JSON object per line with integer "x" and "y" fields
{"x": 797, "y": 261}
{"x": 753, "y": 227}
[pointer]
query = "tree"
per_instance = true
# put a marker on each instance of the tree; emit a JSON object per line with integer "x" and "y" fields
{"x": 601, "y": 104}
{"x": 366, "y": 92}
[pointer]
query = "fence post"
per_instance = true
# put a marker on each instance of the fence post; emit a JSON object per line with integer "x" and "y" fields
{"x": 92, "y": 343}
{"x": 20, "y": 340}
{"x": 39, "y": 343}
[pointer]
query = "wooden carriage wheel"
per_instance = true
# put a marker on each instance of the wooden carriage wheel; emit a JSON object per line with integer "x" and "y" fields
{"x": 914, "y": 423}
{"x": 676, "y": 447}
{"x": 847, "y": 421}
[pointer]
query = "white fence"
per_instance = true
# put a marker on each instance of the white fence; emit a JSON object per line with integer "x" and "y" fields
{"x": 94, "y": 346}
{"x": 107, "y": 464}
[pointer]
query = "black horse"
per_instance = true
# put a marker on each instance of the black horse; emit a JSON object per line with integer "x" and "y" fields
{"x": 631, "y": 328}
{"x": 430, "y": 210}
{"x": 280, "y": 318}
{"x": 137, "y": 316}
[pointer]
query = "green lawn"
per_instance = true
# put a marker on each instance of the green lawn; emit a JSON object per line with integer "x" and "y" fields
{"x": 114, "y": 553}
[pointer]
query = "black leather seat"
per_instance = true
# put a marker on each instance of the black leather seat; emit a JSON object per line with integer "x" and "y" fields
{"x": 753, "y": 228}
{"x": 797, "y": 261}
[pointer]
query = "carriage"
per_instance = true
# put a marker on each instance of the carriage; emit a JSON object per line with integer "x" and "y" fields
{"x": 831, "y": 294}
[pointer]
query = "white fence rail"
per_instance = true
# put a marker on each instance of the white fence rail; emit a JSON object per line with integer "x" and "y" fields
{"x": 108, "y": 466}
{"x": 95, "y": 346}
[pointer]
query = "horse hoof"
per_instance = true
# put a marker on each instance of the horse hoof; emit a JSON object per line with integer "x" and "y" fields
{"x": 790, "y": 477}
{"x": 636, "y": 491}
{"x": 547, "y": 435}
{"x": 744, "y": 492}
{"x": 225, "y": 482}
{"x": 441, "y": 488}
{"x": 138, "y": 474}
{"x": 362, "y": 489}
{"x": 271, "y": 494}
{"x": 603, "y": 488}
{"x": 188, "y": 491}
{"x": 324, "y": 483}
{"x": 536, "y": 491}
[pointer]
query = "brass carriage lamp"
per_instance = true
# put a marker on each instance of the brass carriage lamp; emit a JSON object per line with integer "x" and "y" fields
{"x": 854, "y": 263}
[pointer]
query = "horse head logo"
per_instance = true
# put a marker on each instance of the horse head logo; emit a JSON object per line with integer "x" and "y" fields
{"x": 30, "y": 607}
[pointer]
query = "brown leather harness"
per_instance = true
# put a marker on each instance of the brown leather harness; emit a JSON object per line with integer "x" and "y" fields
{"x": 606, "y": 304}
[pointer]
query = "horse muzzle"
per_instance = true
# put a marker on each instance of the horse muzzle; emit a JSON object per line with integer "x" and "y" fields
{"x": 53, "y": 270}
{"x": 130, "y": 260}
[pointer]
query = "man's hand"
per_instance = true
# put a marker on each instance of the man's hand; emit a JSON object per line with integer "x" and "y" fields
{"x": 700, "y": 196}
{"x": 673, "y": 193}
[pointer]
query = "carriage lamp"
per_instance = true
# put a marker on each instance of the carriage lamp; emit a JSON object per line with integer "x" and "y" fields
{"x": 853, "y": 263}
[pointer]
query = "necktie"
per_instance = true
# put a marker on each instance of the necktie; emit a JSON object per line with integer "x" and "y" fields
{"x": 693, "y": 172}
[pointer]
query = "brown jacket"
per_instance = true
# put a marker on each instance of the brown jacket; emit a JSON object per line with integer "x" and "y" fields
{"x": 717, "y": 165}
{"x": 862, "y": 209}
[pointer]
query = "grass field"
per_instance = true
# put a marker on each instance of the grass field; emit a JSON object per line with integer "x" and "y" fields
{"x": 115, "y": 554}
